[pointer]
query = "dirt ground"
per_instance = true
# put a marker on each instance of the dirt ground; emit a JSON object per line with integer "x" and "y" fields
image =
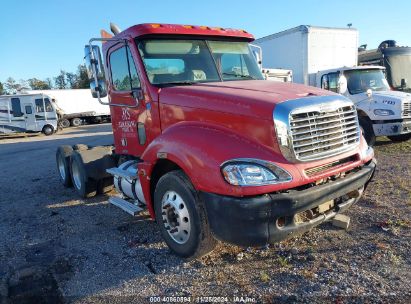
{"x": 56, "y": 248}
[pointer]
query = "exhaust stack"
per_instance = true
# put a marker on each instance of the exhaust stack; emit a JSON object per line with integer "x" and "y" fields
{"x": 114, "y": 28}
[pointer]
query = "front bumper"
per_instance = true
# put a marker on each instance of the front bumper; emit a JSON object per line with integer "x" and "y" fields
{"x": 254, "y": 221}
{"x": 392, "y": 127}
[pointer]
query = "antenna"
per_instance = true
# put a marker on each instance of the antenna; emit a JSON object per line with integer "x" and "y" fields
{"x": 349, "y": 25}
{"x": 114, "y": 28}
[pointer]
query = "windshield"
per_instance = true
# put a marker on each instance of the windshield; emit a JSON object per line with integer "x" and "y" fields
{"x": 399, "y": 67}
{"x": 359, "y": 81}
{"x": 195, "y": 61}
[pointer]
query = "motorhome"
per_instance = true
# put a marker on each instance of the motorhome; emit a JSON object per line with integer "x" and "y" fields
{"x": 327, "y": 58}
{"x": 27, "y": 113}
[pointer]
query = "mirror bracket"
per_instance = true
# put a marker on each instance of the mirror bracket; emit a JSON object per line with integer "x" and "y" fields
{"x": 94, "y": 63}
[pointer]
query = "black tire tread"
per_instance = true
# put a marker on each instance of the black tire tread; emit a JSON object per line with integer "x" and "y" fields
{"x": 66, "y": 152}
{"x": 369, "y": 134}
{"x": 206, "y": 241}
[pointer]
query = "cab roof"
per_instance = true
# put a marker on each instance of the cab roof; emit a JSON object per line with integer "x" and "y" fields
{"x": 178, "y": 29}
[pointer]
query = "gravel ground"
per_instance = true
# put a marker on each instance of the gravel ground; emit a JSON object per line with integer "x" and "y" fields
{"x": 56, "y": 248}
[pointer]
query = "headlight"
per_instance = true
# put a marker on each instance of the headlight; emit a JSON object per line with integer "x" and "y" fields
{"x": 252, "y": 172}
{"x": 383, "y": 112}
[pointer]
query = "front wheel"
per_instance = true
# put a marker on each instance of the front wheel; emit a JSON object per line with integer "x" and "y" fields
{"x": 181, "y": 216}
{"x": 400, "y": 138}
{"x": 48, "y": 130}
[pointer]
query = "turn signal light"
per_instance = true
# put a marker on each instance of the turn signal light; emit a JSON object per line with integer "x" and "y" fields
{"x": 155, "y": 25}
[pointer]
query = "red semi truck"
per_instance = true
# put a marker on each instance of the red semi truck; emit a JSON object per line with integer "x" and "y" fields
{"x": 210, "y": 148}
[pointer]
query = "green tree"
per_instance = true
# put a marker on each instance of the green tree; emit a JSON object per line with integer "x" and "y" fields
{"x": 2, "y": 89}
{"x": 13, "y": 87}
{"x": 37, "y": 84}
{"x": 60, "y": 80}
{"x": 72, "y": 80}
{"x": 82, "y": 77}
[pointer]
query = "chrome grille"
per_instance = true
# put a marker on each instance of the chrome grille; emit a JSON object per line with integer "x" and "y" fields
{"x": 407, "y": 108}
{"x": 318, "y": 133}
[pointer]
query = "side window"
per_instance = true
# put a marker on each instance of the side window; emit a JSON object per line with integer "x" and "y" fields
{"x": 233, "y": 65}
{"x": 330, "y": 82}
{"x": 324, "y": 82}
{"x": 122, "y": 78}
{"x": 16, "y": 108}
{"x": 40, "y": 105}
{"x": 29, "y": 110}
{"x": 49, "y": 107}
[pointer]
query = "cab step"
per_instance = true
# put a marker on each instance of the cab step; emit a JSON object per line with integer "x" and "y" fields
{"x": 125, "y": 205}
{"x": 121, "y": 173}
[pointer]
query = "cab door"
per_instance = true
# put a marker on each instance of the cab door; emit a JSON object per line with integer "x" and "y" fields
{"x": 29, "y": 117}
{"x": 127, "y": 105}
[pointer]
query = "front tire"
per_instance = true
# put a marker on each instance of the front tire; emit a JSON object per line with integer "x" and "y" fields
{"x": 85, "y": 186}
{"x": 367, "y": 130}
{"x": 181, "y": 216}
{"x": 400, "y": 138}
{"x": 48, "y": 130}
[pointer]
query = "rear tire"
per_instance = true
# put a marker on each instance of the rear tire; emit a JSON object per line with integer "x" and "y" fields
{"x": 85, "y": 186}
{"x": 48, "y": 130}
{"x": 76, "y": 122}
{"x": 65, "y": 123}
{"x": 367, "y": 130}
{"x": 63, "y": 154}
{"x": 400, "y": 138}
{"x": 181, "y": 216}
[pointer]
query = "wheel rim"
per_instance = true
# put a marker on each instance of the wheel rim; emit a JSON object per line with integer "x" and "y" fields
{"x": 76, "y": 175}
{"x": 62, "y": 168}
{"x": 176, "y": 218}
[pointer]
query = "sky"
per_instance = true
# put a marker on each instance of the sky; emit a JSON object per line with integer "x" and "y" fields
{"x": 38, "y": 38}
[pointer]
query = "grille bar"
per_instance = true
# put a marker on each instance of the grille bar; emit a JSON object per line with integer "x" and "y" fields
{"x": 407, "y": 109}
{"x": 319, "y": 133}
{"x": 323, "y": 116}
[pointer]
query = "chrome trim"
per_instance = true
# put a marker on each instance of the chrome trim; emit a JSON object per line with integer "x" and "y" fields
{"x": 282, "y": 116}
{"x": 406, "y": 108}
{"x": 283, "y": 175}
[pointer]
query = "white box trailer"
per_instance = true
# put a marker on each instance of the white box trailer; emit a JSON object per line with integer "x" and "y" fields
{"x": 27, "y": 113}
{"x": 75, "y": 106}
{"x": 308, "y": 49}
{"x": 327, "y": 58}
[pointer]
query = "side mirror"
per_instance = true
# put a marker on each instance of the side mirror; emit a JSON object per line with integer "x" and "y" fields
{"x": 369, "y": 93}
{"x": 342, "y": 85}
{"x": 403, "y": 83}
{"x": 95, "y": 71}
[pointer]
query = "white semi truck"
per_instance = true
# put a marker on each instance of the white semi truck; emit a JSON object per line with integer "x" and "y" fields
{"x": 327, "y": 58}
{"x": 77, "y": 106}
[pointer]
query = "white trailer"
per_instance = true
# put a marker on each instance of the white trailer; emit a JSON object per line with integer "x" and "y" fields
{"x": 327, "y": 58}
{"x": 77, "y": 106}
{"x": 27, "y": 113}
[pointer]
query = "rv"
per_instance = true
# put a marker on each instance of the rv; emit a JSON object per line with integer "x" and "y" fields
{"x": 27, "y": 113}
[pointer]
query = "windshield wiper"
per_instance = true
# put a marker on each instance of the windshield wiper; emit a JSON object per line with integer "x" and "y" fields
{"x": 239, "y": 75}
{"x": 178, "y": 83}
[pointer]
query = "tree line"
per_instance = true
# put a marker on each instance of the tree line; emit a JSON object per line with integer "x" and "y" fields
{"x": 64, "y": 80}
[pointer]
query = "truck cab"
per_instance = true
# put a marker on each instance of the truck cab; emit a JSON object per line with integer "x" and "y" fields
{"x": 211, "y": 149}
{"x": 382, "y": 111}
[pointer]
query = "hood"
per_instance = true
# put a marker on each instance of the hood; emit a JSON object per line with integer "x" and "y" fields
{"x": 397, "y": 95}
{"x": 245, "y": 97}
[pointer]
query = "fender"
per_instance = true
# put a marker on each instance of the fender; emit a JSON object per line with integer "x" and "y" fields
{"x": 199, "y": 149}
